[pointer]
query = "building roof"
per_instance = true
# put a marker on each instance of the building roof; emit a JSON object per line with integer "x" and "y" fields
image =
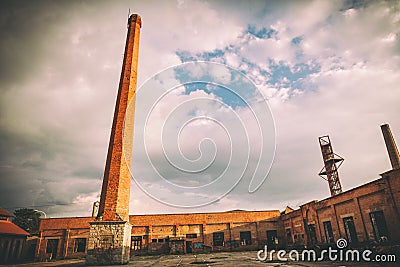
{"x": 287, "y": 210}
{"x": 8, "y": 228}
{"x": 4, "y": 213}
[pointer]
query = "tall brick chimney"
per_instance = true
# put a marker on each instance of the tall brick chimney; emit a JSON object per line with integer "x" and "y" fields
{"x": 114, "y": 199}
{"x": 391, "y": 146}
{"x": 110, "y": 235}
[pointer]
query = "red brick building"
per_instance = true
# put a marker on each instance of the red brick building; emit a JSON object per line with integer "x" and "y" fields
{"x": 12, "y": 239}
{"x": 365, "y": 214}
{"x": 167, "y": 233}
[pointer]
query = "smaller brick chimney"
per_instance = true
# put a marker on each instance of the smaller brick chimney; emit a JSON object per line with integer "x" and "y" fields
{"x": 391, "y": 146}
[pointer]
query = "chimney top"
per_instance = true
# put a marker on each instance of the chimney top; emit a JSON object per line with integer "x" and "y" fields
{"x": 391, "y": 146}
{"x": 135, "y": 18}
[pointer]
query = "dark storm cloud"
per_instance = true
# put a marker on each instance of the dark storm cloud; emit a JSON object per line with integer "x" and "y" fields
{"x": 60, "y": 63}
{"x": 45, "y": 103}
{"x": 32, "y": 23}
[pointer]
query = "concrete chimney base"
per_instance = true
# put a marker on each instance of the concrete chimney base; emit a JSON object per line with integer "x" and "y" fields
{"x": 109, "y": 243}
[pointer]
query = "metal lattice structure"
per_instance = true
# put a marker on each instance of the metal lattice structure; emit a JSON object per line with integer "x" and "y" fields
{"x": 332, "y": 162}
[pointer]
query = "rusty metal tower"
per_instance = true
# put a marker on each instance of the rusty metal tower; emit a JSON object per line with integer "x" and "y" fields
{"x": 332, "y": 162}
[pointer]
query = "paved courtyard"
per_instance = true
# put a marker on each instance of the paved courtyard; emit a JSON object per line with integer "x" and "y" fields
{"x": 236, "y": 259}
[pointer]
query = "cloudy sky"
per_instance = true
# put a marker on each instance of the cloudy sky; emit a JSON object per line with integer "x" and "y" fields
{"x": 323, "y": 67}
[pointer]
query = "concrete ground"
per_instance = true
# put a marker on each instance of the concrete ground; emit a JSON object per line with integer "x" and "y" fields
{"x": 236, "y": 259}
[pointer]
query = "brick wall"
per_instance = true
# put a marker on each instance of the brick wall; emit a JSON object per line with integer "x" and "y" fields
{"x": 380, "y": 195}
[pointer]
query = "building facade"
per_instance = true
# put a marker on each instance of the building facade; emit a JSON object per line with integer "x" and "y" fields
{"x": 363, "y": 215}
{"x": 12, "y": 239}
{"x": 167, "y": 233}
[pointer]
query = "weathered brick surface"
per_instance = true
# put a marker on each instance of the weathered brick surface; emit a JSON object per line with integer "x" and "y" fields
{"x": 380, "y": 195}
{"x": 65, "y": 223}
{"x": 114, "y": 199}
{"x": 162, "y": 226}
{"x": 203, "y": 218}
{"x": 115, "y": 192}
{"x": 116, "y": 249}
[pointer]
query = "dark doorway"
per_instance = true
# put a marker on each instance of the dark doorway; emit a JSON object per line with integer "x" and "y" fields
{"x": 189, "y": 247}
{"x": 328, "y": 232}
{"x": 52, "y": 246}
{"x": 136, "y": 243}
{"x": 245, "y": 238}
{"x": 378, "y": 221}
{"x": 272, "y": 238}
{"x": 31, "y": 250}
{"x": 80, "y": 245}
{"x": 289, "y": 238}
{"x": 312, "y": 234}
{"x": 218, "y": 239}
{"x": 350, "y": 229}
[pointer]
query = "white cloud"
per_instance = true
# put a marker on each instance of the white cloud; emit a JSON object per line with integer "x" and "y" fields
{"x": 62, "y": 113}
